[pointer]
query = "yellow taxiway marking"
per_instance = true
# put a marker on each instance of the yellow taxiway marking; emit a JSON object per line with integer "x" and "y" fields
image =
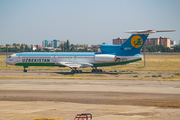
{"x": 47, "y": 119}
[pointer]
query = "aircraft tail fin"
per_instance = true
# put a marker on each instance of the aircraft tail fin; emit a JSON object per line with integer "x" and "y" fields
{"x": 132, "y": 45}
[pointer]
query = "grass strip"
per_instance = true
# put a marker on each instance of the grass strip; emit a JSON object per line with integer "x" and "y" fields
{"x": 84, "y": 78}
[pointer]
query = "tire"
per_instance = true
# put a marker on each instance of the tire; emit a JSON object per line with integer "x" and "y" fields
{"x": 72, "y": 71}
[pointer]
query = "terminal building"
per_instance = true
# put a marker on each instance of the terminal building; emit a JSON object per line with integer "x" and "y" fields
{"x": 149, "y": 42}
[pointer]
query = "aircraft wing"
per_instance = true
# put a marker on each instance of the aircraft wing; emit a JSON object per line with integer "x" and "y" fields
{"x": 74, "y": 65}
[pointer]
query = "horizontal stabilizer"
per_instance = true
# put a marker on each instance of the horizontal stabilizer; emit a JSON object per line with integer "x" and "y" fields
{"x": 147, "y": 31}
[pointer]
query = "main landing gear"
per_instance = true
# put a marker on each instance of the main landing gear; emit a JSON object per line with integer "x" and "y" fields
{"x": 25, "y": 68}
{"x": 75, "y": 71}
{"x": 96, "y": 70}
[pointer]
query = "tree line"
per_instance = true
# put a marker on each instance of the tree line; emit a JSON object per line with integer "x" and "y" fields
{"x": 66, "y": 47}
{"x": 160, "y": 48}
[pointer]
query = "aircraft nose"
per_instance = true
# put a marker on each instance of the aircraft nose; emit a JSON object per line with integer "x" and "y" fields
{"x": 5, "y": 61}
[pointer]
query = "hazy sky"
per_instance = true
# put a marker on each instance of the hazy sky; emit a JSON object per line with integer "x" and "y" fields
{"x": 85, "y": 21}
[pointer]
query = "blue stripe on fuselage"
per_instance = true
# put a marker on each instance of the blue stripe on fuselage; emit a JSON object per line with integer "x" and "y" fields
{"x": 64, "y": 54}
{"x": 56, "y": 54}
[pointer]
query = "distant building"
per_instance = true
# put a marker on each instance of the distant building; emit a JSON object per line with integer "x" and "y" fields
{"x": 118, "y": 41}
{"x": 165, "y": 42}
{"x": 53, "y": 43}
{"x": 89, "y": 48}
{"x": 46, "y": 43}
{"x": 173, "y": 43}
{"x": 39, "y": 47}
{"x": 2, "y": 46}
{"x": 56, "y": 43}
{"x": 149, "y": 42}
{"x": 34, "y": 48}
{"x": 61, "y": 42}
{"x": 50, "y": 48}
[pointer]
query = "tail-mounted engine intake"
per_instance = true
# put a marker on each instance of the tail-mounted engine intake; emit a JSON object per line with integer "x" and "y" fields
{"x": 105, "y": 58}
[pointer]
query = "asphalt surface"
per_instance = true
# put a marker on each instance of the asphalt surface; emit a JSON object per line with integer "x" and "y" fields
{"x": 22, "y": 99}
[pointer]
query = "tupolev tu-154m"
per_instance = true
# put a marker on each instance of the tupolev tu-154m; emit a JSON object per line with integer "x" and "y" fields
{"x": 110, "y": 55}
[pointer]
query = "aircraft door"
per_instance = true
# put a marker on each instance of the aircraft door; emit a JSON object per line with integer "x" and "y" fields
{"x": 53, "y": 59}
{"x": 18, "y": 59}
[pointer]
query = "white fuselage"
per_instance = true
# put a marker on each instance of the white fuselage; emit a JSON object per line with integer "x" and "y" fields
{"x": 61, "y": 59}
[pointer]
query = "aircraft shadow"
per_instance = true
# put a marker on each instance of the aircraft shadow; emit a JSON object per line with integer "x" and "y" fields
{"x": 69, "y": 73}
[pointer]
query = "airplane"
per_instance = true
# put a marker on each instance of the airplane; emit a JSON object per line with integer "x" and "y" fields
{"x": 110, "y": 55}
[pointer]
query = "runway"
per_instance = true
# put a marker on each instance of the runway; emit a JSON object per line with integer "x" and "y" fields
{"x": 106, "y": 99}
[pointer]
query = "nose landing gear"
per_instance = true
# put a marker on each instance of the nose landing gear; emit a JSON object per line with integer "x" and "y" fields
{"x": 25, "y": 68}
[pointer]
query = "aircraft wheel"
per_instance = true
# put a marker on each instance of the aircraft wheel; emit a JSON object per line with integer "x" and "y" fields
{"x": 24, "y": 70}
{"x": 80, "y": 71}
{"x": 72, "y": 71}
{"x": 100, "y": 71}
{"x": 96, "y": 71}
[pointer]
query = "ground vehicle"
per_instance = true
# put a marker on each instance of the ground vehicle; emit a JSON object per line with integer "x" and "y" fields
{"x": 83, "y": 116}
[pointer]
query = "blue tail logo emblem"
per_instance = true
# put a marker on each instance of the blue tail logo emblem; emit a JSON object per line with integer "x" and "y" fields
{"x": 136, "y": 41}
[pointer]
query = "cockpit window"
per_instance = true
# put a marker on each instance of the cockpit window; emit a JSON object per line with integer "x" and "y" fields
{"x": 9, "y": 57}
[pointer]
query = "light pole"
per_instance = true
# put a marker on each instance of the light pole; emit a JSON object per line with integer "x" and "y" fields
{"x": 6, "y": 52}
{"x": 144, "y": 56}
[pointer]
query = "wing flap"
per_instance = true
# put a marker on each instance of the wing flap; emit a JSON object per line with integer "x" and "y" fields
{"x": 74, "y": 65}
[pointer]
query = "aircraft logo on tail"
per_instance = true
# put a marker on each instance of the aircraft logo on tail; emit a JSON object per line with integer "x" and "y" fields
{"x": 136, "y": 41}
